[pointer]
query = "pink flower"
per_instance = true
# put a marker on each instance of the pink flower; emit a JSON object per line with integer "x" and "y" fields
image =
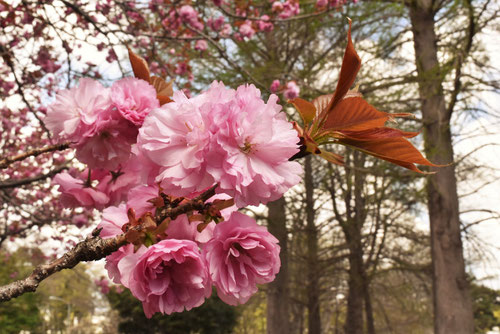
{"x": 246, "y": 30}
{"x": 226, "y": 30}
{"x": 291, "y": 90}
{"x": 321, "y": 3}
{"x": 74, "y": 113}
{"x": 225, "y": 136}
{"x": 250, "y": 148}
{"x": 264, "y": 24}
{"x": 134, "y": 99}
{"x": 290, "y": 8}
{"x": 112, "y": 220}
{"x": 182, "y": 228}
{"x": 111, "y": 143}
{"x": 119, "y": 264}
{"x": 277, "y": 6}
{"x": 75, "y": 193}
{"x": 169, "y": 277}
{"x": 188, "y": 13}
{"x": 201, "y": 45}
{"x": 275, "y": 86}
{"x": 216, "y": 24}
{"x": 241, "y": 255}
{"x": 175, "y": 137}
{"x": 117, "y": 184}
{"x": 139, "y": 197}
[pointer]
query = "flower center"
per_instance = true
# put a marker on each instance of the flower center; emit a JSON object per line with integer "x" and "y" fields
{"x": 247, "y": 147}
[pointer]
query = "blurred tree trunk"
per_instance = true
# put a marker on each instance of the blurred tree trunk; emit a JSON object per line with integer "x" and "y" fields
{"x": 452, "y": 301}
{"x": 277, "y": 291}
{"x": 359, "y": 294}
{"x": 313, "y": 306}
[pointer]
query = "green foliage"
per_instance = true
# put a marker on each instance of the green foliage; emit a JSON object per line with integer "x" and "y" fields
{"x": 486, "y": 308}
{"x": 67, "y": 295}
{"x": 21, "y": 313}
{"x": 213, "y": 317}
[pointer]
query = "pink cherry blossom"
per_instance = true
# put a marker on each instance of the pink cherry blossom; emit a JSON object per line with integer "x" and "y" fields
{"x": 290, "y": 8}
{"x": 246, "y": 30}
{"x": 241, "y": 255}
{"x": 291, "y": 90}
{"x": 74, "y": 113}
{"x": 264, "y": 24}
{"x": 275, "y": 86}
{"x": 175, "y": 137}
{"x": 76, "y": 193}
{"x": 134, "y": 99}
{"x": 201, "y": 45}
{"x": 250, "y": 149}
{"x": 182, "y": 228}
{"x": 226, "y": 30}
{"x": 120, "y": 263}
{"x": 117, "y": 184}
{"x": 169, "y": 277}
{"x": 139, "y": 199}
{"x": 112, "y": 220}
{"x": 111, "y": 143}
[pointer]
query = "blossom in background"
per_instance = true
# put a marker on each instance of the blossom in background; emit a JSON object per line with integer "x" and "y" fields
{"x": 241, "y": 255}
{"x": 169, "y": 277}
{"x": 246, "y": 30}
{"x": 201, "y": 45}
{"x": 291, "y": 90}
{"x": 264, "y": 24}
{"x": 275, "y": 86}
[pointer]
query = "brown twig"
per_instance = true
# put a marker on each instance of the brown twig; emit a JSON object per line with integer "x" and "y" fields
{"x": 28, "y": 180}
{"x": 93, "y": 248}
{"x": 4, "y": 163}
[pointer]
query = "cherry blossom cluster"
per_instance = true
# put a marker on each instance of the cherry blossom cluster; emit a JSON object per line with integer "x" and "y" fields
{"x": 141, "y": 155}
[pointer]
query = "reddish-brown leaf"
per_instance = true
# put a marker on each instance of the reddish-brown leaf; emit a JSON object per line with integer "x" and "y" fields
{"x": 306, "y": 109}
{"x": 162, "y": 87}
{"x": 355, "y": 114}
{"x": 163, "y": 99}
{"x": 350, "y": 67}
{"x": 374, "y": 133}
{"x": 396, "y": 150}
{"x": 321, "y": 102}
{"x": 332, "y": 157}
{"x": 139, "y": 66}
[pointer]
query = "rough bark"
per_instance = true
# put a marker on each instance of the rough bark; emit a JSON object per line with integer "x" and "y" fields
{"x": 452, "y": 301}
{"x": 278, "y": 300}
{"x": 313, "y": 305}
{"x": 358, "y": 298}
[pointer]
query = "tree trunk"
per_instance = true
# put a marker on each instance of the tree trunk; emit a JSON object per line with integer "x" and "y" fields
{"x": 452, "y": 301}
{"x": 277, "y": 291}
{"x": 352, "y": 227}
{"x": 314, "y": 319}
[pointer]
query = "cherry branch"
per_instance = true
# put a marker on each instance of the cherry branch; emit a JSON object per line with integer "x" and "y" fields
{"x": 29, "y": 180}
{"x": 95, "y": 248}
{"x": 4, "y": 163}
